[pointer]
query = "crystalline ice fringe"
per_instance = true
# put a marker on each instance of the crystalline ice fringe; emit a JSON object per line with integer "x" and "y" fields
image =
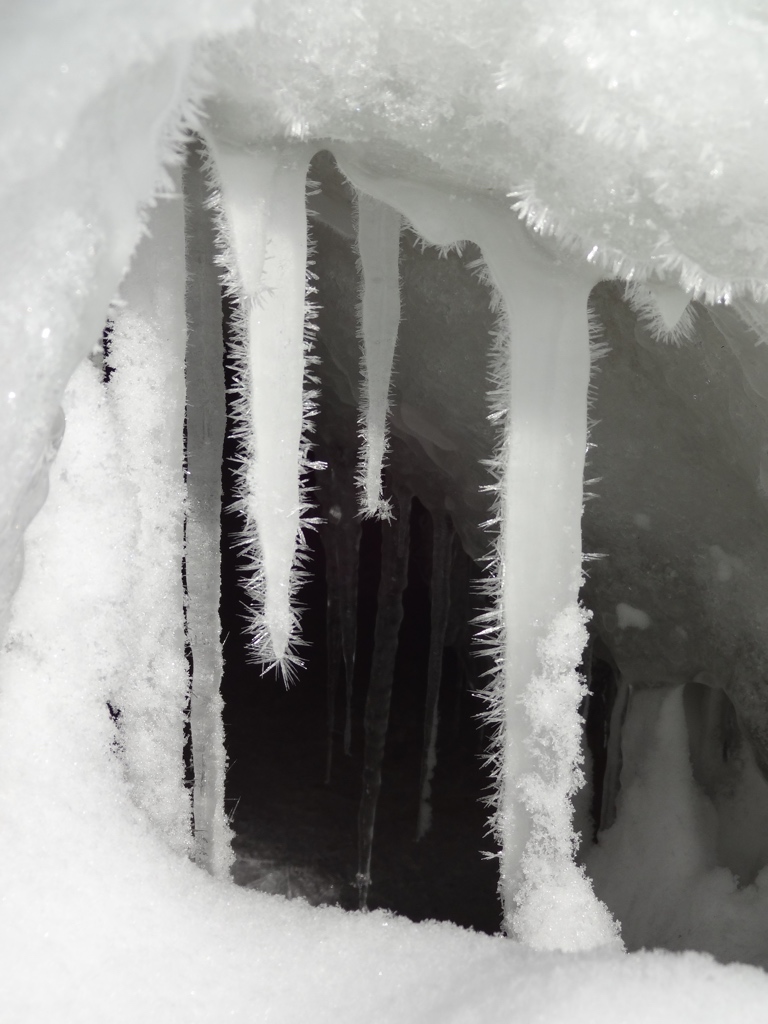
{"x": 206, "y": 425}
{"x": 378, "y": 245}
{"x": 263, "y": 229}
{"x": 439, "y": 608}
{"x": 340, "y": 533}
{"x": 389, "y": 614}
{"x": 147, "y": 392}
{"x": 664, "y": 309}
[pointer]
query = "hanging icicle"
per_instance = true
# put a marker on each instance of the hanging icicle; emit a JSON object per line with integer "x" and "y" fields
{"x": 146, "y": 391}
{"x": 442, "y": 538}
{"x": 664, "y": 309}
{"x": 348, "y": 558}
{"x": 340, "y": 534}
{"x": 395, "y": 538}
{"x": 263, "y": 235}
{"x": 541, "y": 379}
{"x": 206, "y": 426}
{"x": 378, "y": 245}
{"x": 333, "y": 655}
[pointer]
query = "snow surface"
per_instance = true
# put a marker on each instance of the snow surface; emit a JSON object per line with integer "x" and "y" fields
{"x": 613, "y": 125}
{"x": 101, "y": 921}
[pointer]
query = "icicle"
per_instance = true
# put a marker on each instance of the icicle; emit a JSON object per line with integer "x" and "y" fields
{"x": 206, "y": 425}
{"x": 341, "y": 540}
{"x": 543, "y": 381}
{"x": 333, "y": 652}
{"x": 378, "y": 244}
{"x": 394, "y": 578}
{"x": 664, "y": 309}
{"x": 264, "y": 232}
{"x": 442, "y": 537}
{"x": 147, "y": 392}
{"x": 613, "y": 755}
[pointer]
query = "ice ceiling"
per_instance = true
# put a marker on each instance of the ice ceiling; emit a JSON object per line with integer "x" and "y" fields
{"x": 592, "y": 177}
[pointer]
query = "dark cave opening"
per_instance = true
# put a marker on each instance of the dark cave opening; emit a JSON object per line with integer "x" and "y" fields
{"x": 298, "y": 836}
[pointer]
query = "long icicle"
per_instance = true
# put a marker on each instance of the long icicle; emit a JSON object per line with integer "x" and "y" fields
{"x": 206, "y": 426}
{"x": 542, "y": 383}
{"x": 442, "y": 537}
{"x": 389, "y": 614}
{"x": 263, "y": 229}
{"x": 349, "y": 559}
{"x": 341, "y": 541}
{"x": 378, "y": 245}
{"x": 333, "y": 650}
{"x": 146, "y": 391}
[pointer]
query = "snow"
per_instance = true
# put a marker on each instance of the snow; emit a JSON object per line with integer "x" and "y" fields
{"x": 612, "y": 132}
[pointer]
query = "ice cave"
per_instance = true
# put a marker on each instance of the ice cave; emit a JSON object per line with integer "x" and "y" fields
{"x": 384, "y": 527}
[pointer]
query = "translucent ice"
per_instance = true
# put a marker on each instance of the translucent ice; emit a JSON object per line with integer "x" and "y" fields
{"x": 146, "y": 388}
{"x": 206, "y": 423}
{"x": 378, "y": 244}
{"x": 631, "y": 136}
{"x": 439, "y": 608}
{"x": 264, "y": 233}
{"x": 341, "y": 540}
{"x": 389, "y": 614}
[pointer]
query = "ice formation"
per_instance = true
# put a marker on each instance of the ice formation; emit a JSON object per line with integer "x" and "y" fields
{"x": 340, "y": 532}
{"x": 206, "y": 425}
{"x": 438, "y": 623}
{"x": 608, "y": 163}
{"x": 378, "y": 242}
{"x": 389, "y": 615}
{"x": 264, "y": 235}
